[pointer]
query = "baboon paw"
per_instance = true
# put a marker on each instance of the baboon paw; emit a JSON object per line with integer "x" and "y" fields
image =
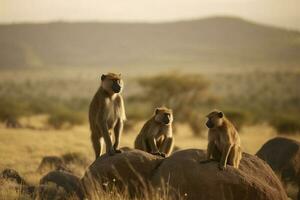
{"x": 111, "y": 152}
{"x": 163, "y": 155}
{"x": 222, "y": 168}
{"x": 156, "y": 153}
{"x": 118, "y": 151}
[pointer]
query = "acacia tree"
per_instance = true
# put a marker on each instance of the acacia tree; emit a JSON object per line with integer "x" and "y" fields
{"x": 184, "y": 93}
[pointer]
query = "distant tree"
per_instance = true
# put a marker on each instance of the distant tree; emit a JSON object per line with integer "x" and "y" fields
{"x": 184, "y": 93}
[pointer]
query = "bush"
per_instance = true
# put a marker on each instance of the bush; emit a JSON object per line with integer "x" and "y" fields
{"x": 237, "y": 117}
{"x": 286, "y": 124}
{"x": 196, "y": 123}
{"x": 183, "y": 93}
{"x": 12, "y": 108}
{"x": 65, "y": 118}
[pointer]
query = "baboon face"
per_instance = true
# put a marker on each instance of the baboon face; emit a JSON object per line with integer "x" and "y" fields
{"x": 164, "y": 115}
{"x": 214, "y": 119}
{"x": 112, "y": 83}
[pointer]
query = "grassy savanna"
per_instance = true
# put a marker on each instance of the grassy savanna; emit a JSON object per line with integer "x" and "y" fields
{"x": 28, "y": 147}
{"x": 38, "y": 98}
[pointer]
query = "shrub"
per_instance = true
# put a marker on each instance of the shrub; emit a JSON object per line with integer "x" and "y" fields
{"x": 237, "y": 117}
{"x": 183, "y": 93}
{"x": 65, "y": 118}
{"x": 196, "y": 123}
{"x": 12, "y": 108}
{"x": 286, "y": 124}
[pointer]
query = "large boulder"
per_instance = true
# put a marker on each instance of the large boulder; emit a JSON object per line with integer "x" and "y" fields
{"x": 182, "y": 175}
{"x": 130, "y": 170}
{"x": 283, "y": 155}
{"x": 187, "y": 177}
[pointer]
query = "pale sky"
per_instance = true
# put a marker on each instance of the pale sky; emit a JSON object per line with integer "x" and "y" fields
{"x": 284, "y": 13}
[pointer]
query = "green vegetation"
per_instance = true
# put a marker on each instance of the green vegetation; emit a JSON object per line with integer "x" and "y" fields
{"x": 65, "y": 118}
{"x": 19, "y": 100}
{"x": 238, "y": 117}
{"x": 286, "y": 124}
{"x": 183, "y": 93}
{"x": 64, "y": 95}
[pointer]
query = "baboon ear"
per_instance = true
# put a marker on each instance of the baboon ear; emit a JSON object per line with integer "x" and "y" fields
{"x": 103, "y": 77}
{"x": 220, "y": 114}
{"x": 120, "y": 74}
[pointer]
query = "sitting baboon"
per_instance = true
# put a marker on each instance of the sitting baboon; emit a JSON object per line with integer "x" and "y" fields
{"x": 107, "y": 114}
{"x": 223, "y": 140}
{"x": 156, "y": 135}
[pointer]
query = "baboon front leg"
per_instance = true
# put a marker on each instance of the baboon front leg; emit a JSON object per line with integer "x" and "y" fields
{"x": 225, "y": 153}
{"x": 118, "y": 132}
{"x": 107, "y": 140}
{"x": 211, "y": 147}
{"x": 96, "y": 145}
{"x": 153, "y": 146}
{"x": 167, "y": 146}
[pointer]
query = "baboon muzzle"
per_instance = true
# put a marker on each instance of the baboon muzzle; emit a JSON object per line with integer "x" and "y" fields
{"x": 116, "y": 87}
{"x": 166, "y": 120}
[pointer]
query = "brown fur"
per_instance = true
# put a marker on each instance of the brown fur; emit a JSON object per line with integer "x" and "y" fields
{"x": 223, "y": 141}
{"x": 156, "y": 135}
{"x": 107, "y": 114}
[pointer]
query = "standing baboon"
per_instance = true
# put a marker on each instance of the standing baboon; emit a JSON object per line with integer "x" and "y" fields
{"x": 156, "y": 134}
{"x": 107, "y": 114}
{"x": 223, "y": 140}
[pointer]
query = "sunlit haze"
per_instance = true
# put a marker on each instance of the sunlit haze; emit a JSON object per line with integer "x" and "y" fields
{"x": 274, "y": 12}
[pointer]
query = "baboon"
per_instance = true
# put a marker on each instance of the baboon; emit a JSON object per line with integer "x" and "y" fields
{"x": 107, "y": 114}
{"x": 156, "y": 135}
{"x": 223, "y": 141}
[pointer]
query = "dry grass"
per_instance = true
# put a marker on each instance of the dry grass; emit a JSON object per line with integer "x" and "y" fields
{"x": 23, "y": 149}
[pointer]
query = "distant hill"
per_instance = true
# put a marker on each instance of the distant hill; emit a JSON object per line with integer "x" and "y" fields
{"x": 216, "y": 41}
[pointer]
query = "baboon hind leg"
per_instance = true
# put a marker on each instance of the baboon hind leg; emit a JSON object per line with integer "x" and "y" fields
{"x": 167, "y": 146}
{"x": 239, "y": 157}
{"x": 234, "y": 156}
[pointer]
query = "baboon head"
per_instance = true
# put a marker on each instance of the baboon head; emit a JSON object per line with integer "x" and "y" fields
{"x": 215, "y": 119}
{"x": 163, "y": 115}
{"x": 112, "y": 83}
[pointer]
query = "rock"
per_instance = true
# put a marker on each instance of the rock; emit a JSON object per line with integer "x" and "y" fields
{"x": 70, "y": 184}
{"x": 283, "y": 155}
{"x": 131, "y": 169}
{"x": 74, "y": 158}
{"x": 188, "y": 178}
{"x": 12, "y": 175}
{"x": 49, "y": 163}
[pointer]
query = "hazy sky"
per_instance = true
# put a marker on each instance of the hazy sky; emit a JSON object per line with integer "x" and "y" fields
{"x": 284, "y": 13}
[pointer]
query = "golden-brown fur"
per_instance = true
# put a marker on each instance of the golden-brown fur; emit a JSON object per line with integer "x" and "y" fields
{"x": 107, "y": 114}
{"x": 156, "y": 135}
{"x": 223, "y": 140}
